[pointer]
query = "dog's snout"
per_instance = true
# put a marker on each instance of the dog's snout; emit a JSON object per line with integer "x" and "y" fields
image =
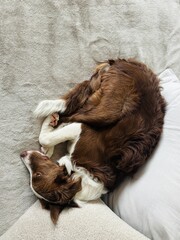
{"x": 23, "y": 154}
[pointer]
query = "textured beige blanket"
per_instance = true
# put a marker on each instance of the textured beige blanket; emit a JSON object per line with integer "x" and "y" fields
{"x": 48, "y": 45}
{"x": 94, "y": 221}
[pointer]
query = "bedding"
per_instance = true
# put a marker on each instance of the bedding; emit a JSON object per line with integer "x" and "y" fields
{"x": 91, "y": 222}
{"x": 48, "y": 46}
{"x": 149, "y": 202}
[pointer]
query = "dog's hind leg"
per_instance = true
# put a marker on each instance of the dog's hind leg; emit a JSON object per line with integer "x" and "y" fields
{"x": 66, "y": 105}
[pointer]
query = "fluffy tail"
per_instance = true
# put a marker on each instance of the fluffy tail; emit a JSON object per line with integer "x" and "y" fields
{"x": 48, "y": 107}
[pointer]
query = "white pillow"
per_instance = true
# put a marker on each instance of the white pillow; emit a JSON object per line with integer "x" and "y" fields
{"x": 150, "y": 202}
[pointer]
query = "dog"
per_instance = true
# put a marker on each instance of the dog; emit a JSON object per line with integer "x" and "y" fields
{"x": 112, "y": 122}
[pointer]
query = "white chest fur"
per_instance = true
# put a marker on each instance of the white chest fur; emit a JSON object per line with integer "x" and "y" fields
{"x": 92, "y": 188}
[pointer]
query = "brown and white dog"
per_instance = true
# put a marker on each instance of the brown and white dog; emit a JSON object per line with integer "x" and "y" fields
{"x": 114, "y": 122}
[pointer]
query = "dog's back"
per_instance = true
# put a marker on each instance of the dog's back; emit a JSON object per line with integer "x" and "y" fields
{"x": 123, "y": 140}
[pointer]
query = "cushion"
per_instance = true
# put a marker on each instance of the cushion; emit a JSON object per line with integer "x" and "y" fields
{"x": 93, "y": 221}
{"x": 150, "y": 201}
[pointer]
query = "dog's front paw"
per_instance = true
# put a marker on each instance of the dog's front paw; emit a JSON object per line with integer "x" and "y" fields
{"x": 54, "y": 120}
{"x": 66, "y": 161}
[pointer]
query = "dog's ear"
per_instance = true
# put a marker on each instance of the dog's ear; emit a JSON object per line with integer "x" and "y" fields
{"x": 62, "y": 197}
{"x": 55, "y": 210}
{"x": 65, "y": 191}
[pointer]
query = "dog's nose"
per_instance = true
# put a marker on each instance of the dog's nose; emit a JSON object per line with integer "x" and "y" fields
{"x": 23, "y": 154}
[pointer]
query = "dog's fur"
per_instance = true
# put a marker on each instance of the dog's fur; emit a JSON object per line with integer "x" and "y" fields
{"x": 120, "y": 111}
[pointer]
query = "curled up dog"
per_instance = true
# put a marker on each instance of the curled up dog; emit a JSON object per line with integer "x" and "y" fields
{"x": 113, "y": 123}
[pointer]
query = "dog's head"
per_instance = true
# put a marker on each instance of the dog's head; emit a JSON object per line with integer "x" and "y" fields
{"x": 51, "y": 183}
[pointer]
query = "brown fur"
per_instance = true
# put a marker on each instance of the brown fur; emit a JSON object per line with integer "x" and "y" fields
{"x": 122, "y": 112}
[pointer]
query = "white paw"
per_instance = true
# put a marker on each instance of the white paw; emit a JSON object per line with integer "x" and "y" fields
{"x": 66, "y": 161}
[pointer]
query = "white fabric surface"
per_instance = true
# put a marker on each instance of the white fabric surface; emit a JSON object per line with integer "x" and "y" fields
{"x": 94, "y": 221}
{"x": 151, "y": 201}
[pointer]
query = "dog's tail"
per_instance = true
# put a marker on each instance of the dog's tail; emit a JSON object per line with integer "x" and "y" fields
{"x": 48, "y": 107}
